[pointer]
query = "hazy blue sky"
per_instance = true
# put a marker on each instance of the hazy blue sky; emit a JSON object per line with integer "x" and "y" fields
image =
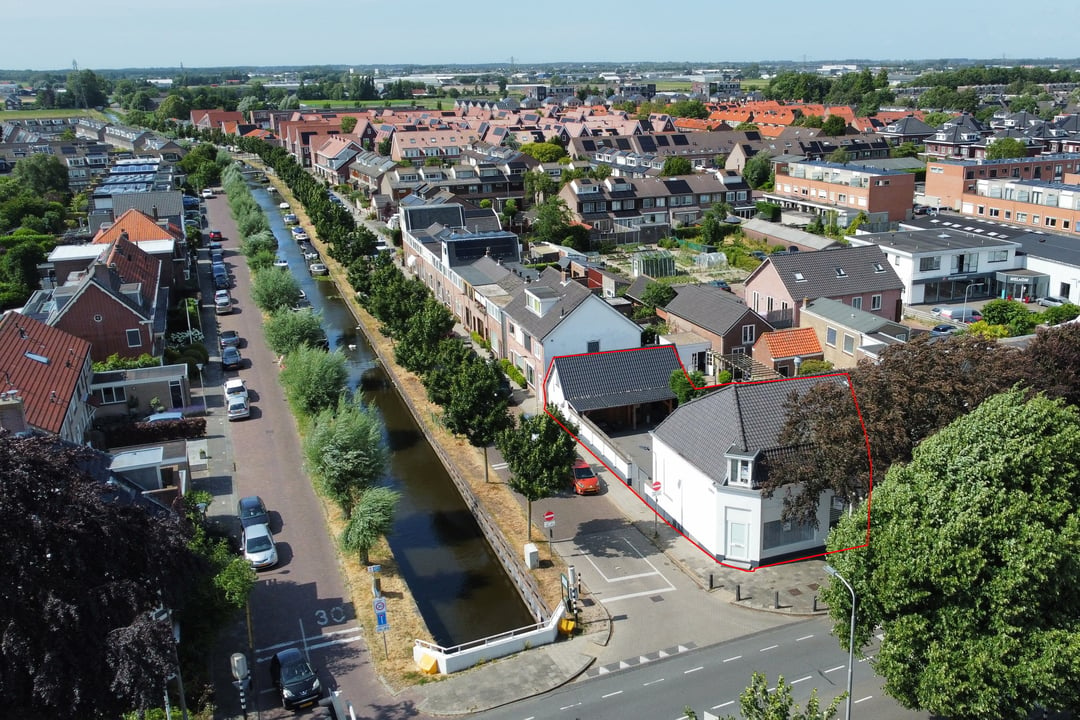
{"x": 204, "y": 33}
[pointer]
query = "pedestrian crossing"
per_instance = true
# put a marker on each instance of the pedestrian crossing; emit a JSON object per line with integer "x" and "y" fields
{"x": 628, "y": 663}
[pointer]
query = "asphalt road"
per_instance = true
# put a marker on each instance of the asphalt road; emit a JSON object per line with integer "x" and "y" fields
{"x": 301, "y": 602}
{"x": 711, "y": 679}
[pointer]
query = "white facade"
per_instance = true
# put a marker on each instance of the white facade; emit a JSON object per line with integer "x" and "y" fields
{"x": 593, "y": 326}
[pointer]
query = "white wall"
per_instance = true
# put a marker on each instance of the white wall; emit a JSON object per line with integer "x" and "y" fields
{"x": 593, "y": 319}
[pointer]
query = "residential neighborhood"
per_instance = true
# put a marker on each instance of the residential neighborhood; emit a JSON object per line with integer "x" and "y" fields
{"x": 515, "y": 356}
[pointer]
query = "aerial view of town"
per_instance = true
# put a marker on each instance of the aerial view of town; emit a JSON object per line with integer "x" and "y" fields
{"x": 513, "y": 390}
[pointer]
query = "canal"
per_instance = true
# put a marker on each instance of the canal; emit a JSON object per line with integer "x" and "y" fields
{"x": 459, "y": 586}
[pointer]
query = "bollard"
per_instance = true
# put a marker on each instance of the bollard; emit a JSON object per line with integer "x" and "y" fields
{"x": 710, "y": 581}
{"x": 776, "y": 600}
{"x": 815, "y": 604}
{"x": 738, "y": 592}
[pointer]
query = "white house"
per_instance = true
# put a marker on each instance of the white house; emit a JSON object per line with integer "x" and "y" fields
{"x": 711, "y": 457}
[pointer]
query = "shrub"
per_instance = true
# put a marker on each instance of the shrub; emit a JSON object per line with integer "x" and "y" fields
{"x": 273, "y": 289}
{"x": 512, "y": 372}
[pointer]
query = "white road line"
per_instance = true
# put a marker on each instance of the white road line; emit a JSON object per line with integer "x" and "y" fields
{"x": 273, "y": 648}
{"x": 865, "y": 659}
{"x": 634, "y": 577}
{"x": 804, "y": 637}
{"x": 652, "y": 682}
{"x": 771, "y": 647}
{"x": 838, "y": 667}
{"x": 794, "y": 682}
{"x": 687, "y": 672}
{"x": 500, "y": 466}
{"x": 863, "y": 699}
{"x": 567, "y": 707}
{"x": 733, "y": 658}
{"x": 722, "y": 705}
{"x": 631, "y": 595}
{"x": 605, "y": 697}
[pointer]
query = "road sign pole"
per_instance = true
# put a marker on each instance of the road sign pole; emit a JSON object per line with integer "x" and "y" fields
{"x": 656, "y": 507}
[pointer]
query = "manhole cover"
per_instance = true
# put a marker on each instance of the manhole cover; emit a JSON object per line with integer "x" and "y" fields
{"x": 657, "y": 598}
{"x": 795, "y": 591}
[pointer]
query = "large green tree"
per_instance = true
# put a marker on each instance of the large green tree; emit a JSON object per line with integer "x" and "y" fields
{"x": 676, "y": 165}
{"x": 1006, "y": 147}
{"x": 970, "y": 575}
{"x": 545, "y": 152}
{"x": 44, "y": 175}
{"x": 346, "y": 452}
{"x": 539, "y": 453}
{"x": 287, "y": 329}
{"x": 314, "y": 379}
{"x": 274, "y": 289}
{"x": 833, "y": 125}
{"x": 478, "y": 405}
{"x": 85, "y": 568}
{"x": 552, "y": 220}
{"x": 371, "y": 519}
{"x": 757, "y": 169}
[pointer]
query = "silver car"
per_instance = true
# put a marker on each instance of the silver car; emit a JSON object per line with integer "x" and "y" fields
{"x": 1051, "y": 301}
{"x": 259, "y": 547}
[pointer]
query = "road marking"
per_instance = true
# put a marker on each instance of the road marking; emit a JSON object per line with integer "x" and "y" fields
{"x": 838, "y": 667}
{"x": 331, "y": 635}
{"x": 804, "y": 637}
{"x": 771, "y": 647}
{"x": 652, "y": 682}
{"x": 687, "y": 672}
{"x": 794, "y": 682}
{"x": 722, "y": 705}
{"x": 605, "y": 697}
{"x": 733, "y": 658}
{"x": 868, "y": 657}
{"x": 631, "y": 595}
{"x": 862, "y": 699}
{"x": 570, "y": 706}
{"x": 500, "y": 466}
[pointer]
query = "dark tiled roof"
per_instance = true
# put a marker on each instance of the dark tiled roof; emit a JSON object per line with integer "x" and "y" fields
{"x": 618, "y": 377}
{"x": 744, "y": 417}
{"x": 708, "y": 307}
{"x": 836, "y": 273}
{"x": 570, "y": 294}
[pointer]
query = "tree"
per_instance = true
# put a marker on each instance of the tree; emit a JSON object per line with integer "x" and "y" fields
{"x": 815, "y": 367}
{"x": 538, "y": 185}
{"x": 173, "y": 106}
{"x": 760, "y": 702}
{"x": 287, "y": 329}
{"x": 833, "y": 125}
{"x": 913, "y": 391}
{"x": 85, "y": 89}
{"x": 657, "y": 295}
{"x": 937, "y": 119}
{"x": 79, "y": 638}
{"x": 552, "y": 220}
{"x": 249, "y": 103}
{"x": 905, "y": 149}
{"x": 478, "y": 405}
{"x": 385, "y": 147}
{"x": 971, "y": 571}
{"x": 746, "y": 127}
{"x": 371, "y": 519}
{"x": 274, "y": 289}
{"x": 545, "y": 152}
{"x": 1053, "y": 357}
{"x": 426, "y": 326}
{"x": 839, "y": 156}
{"x": 1013, "y": 314}
{"x": 685, "y": 387}
{"x": 345, "y": 451}
{"x": 313, "y": 379}
{"x": 1006, "y": 147}
{"x": 44, "y": 175}
{"x": 675, "y": 165}
{"x": 539, "y": 453}
{"x": 757, "y": 169}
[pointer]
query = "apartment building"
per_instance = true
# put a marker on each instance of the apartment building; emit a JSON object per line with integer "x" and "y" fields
{"x": 819, "y": 187}
{"x": 947, "y": 181}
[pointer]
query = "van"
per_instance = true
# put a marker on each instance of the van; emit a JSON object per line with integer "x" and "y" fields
{"x": 958, "y": 314}
{"x": 164, "y": 417}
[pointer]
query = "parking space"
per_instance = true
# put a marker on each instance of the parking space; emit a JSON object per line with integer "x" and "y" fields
{"x": 614, "y": 566}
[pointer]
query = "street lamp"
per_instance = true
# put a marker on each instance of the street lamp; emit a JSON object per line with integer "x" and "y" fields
{"x": 202, "y": 388}
{"x": 966, "y": 291}
{"x": 851, "y": 637}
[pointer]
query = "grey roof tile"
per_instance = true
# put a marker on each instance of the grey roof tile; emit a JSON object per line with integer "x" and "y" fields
{"x": 570, "y": 294}
{"x": 708, "y": 307}
{"x": 615, "y": 378}
{"x": 835, "y": 273}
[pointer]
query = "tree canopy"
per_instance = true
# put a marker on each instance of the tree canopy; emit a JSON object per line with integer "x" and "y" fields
{"x": 84, "y": 572}
{"x": 676, "y": 165}
{"x": 544, "y": 151}
{"x": 1006, "y": 147}
{"x": 971, "y": 570}
{"x": 757, "y": 169}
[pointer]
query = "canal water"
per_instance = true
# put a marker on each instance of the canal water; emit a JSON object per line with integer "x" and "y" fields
{"x": 459, "y": 586}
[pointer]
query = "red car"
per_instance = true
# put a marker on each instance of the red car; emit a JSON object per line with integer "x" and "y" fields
{"x": 585, "y": 480}
{"x": 215, "y": 235}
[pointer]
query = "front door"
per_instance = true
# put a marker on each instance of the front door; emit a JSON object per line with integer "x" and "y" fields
{"x": 738, "y": 536}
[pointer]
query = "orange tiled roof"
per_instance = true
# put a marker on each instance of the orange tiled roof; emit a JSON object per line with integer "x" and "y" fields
{"x": 136, "y": 266}
{"x": 139, "y": 227}
{"x": 794, "y": 342}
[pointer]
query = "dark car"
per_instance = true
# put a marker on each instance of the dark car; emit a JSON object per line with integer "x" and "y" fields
{"x": 222, "y": 282}
{"x": 215, "y": 235}
{"x": 252, "y": 511}
{"x": 229, "y": 338}
{"x": 230, "y": 359}
{"x": 943, "y": 329}
{"x": 295, "y": 679}
{"x": 722, "y": 284}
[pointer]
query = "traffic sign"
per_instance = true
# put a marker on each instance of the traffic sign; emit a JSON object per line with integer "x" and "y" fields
{"x": 549, "y": 516}
{"x": 382, "y": 623}
{"x": 656, "y": 486}
{"x": 374, "y": 568}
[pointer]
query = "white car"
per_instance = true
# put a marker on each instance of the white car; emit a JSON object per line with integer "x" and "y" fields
{"x": 237, "y": 408}
{"x": 259, "y": 547}
{"x": 235, "y": 387}
{"x": 207, "y": 193}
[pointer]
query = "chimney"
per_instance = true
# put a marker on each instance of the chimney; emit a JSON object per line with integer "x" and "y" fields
{"x": 123, "y": 234}
{"x": 805, "y": 301}
{"x": 153, "y": 210}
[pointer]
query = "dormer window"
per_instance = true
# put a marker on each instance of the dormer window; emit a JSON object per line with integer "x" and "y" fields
{"x": 840, "y": 272}
{"x": 878, "y": 268}
{"x": 799, "y": 277}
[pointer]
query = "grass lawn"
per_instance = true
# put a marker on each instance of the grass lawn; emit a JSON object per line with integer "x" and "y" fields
{"x": 673, "y": 86}
{"x": 58, "y": 113}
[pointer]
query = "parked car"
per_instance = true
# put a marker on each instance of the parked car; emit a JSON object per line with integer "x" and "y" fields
{"x": 252, "y": 511}
{"x": 164, "y": 417}
{"x": 229, "y": 338}
{"x": 296, "y": 681}
{"x": 230, "y": 359}
{"x": 222, "y": 281}
{"x": 215, "y": 235}
{"x": 318, "y": 269}
{"x": 213, "y": 246}
{"x": 585, "y": 480}
{"x": 237, "y": 408}
{"x": 943, "y": 329}
{"x": 1052, "y": 301}
{"x": 217, "y": 257}
{"x": 235, "y": 387}
{"x": 259, "y": 547}
{"x": 207, "y": 193}
{"x": 759, "y": 254}
{"x": 958, "y": 314}
{"x": 722, "y": 284}
{"x": 222, "y": 302}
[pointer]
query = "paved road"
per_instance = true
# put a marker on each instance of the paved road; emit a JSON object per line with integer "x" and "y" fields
{"x": 712, "y": 679}
{"x": 302, "y": 602}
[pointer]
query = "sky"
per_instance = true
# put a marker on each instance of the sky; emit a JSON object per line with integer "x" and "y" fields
{"x": 109, "y": 34}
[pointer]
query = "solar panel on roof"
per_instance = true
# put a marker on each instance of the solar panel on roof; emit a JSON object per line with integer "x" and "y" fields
{"x": 622, "y": 143}
{"x": 647, "y": 144}
{"x": 680, "y": 140}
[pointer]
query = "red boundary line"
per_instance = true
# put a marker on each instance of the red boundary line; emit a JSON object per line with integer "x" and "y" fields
{"x": 858, "y": 411}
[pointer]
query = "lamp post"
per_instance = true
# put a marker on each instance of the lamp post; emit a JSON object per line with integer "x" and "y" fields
{"x": 851, "y": 637}
{"x": 966, "y": 291}
{"x": 202, "y": 388}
